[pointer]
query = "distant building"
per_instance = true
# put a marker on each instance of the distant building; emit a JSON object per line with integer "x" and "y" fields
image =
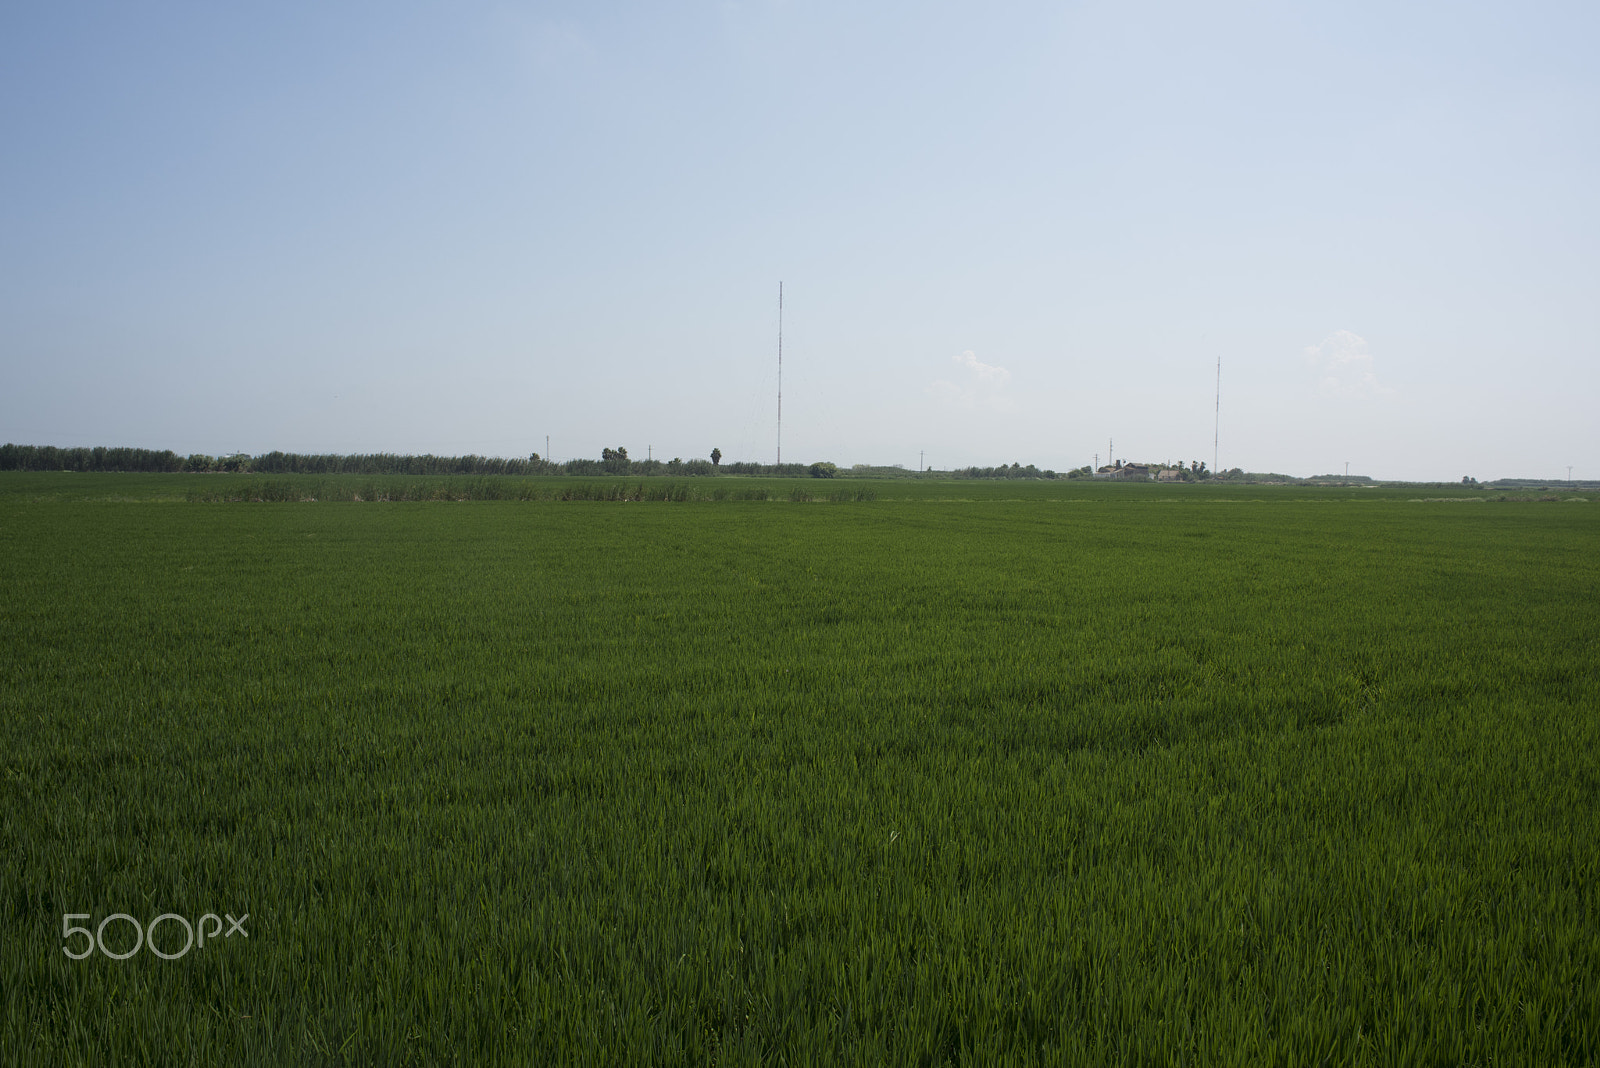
{"x": 1127, "y": 472}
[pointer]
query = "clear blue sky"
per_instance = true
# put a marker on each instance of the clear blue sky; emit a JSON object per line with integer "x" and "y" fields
{"x": 1006, "y": 232}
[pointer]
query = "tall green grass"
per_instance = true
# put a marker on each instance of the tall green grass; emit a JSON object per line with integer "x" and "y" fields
{"x": 1093, "y": 777}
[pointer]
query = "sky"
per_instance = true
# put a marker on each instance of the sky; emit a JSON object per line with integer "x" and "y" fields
{"x": 1010, "y": 232}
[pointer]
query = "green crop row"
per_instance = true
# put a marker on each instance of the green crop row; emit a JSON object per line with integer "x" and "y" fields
{"x": 1071, "y": 777}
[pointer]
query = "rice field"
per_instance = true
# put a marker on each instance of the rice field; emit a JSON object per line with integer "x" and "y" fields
{"x": 529, "y": 771}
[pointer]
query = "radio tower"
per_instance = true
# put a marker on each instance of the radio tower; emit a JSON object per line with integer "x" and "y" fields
{"x": 1216, "y": 430}
{"x": 780, "y": 374}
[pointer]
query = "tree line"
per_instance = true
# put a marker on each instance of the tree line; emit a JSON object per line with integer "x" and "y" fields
{"x": 611, "y": 462}
{"x": 1013, "y": 471}
{"x": 107, "y": 459}
{"x": 99, "y": 458}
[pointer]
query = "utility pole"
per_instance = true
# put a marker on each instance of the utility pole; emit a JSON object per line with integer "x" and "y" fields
{"x": 923, "y": 453}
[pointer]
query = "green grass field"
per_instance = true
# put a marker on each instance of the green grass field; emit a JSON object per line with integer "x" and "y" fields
{"x": 930, "y": 773}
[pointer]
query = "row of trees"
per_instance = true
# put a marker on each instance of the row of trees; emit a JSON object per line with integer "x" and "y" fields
{"x": 1014, "y": 471}
{"x": 1195, "y": 472}
{"x": 611, "y": 462}
{"x": 99, "y": 458}
{"x": 103, "y": 458}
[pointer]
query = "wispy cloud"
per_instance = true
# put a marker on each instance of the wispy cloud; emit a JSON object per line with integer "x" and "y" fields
{"x": 985, "y": 372}
{"x": 1344, "y": 367}
{"x": 983, "y": 384}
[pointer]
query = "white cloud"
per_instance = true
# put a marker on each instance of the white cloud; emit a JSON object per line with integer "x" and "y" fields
{"x": 984, "y": 384}
{"x": 987, "y": 373}
{"x": 1343, "y": 365}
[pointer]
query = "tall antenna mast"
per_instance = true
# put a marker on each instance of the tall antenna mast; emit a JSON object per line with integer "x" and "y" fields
{"x": 780, "y": 373}
{"x": 1216, "y": 430}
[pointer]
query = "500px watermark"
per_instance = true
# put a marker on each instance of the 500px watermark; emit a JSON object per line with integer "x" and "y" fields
{"x": 145, "y": 936}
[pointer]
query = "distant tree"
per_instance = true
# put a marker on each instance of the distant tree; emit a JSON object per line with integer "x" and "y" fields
{"x": 716, "y": 457}
{"x": 823, "y": 469}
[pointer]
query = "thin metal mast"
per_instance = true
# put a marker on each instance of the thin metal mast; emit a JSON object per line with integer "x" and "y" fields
{"x": 780, "y": 373}
{"x": 1216, "y": 430}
